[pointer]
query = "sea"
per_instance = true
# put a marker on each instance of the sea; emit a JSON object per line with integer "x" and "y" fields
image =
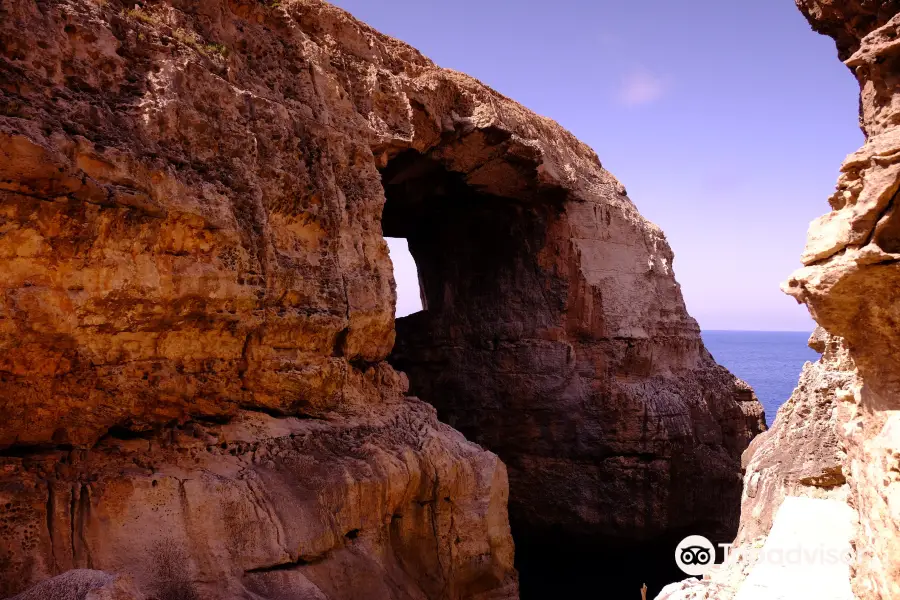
{"x": 770, "y": 361}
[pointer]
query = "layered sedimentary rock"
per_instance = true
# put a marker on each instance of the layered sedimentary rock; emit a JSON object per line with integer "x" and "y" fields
{"x": 802, "y": 454}
{"x": 191, "y": 233}
{"x": 850, "y": 280}
{"x": 393, "y": 505}
{"x": 197, "y": 305}
{"x": 554, "y": 333}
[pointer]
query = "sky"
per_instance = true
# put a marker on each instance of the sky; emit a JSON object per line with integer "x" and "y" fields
{"x": 726, "y": 122}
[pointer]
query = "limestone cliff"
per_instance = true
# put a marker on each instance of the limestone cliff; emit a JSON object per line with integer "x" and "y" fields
{"x": 555, "y": 335}
{"x": 839, "y": 434}
{"x": 388, "y": 506}
{"x": 801, "y": 455}
{"x": 850, "y": 279}
{"x": 197, "y": 308}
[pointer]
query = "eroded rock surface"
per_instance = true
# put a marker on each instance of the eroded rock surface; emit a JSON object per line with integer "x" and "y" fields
{"x": 802, "y": 455}
{"x": 849, "y": 283}
{"x": 188, "y": 227}
{"x": 191, "y": 198}
{"x": 191, "y": 229}
{"x": 83, "y": 584}
{"x": 850, "y": 280}
{"x": 838, "y": 437}
{"x": 393, "y": 505}
{"x": 554, "y": 333}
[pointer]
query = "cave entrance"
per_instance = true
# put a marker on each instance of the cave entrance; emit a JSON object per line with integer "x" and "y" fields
{"x": 490, "y": 350}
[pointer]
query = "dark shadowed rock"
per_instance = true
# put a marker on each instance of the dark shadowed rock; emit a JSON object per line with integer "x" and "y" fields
{"x": 554, "y": 333}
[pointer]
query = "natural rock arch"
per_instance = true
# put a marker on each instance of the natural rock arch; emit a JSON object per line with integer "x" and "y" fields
{"x": 198, "y": 311}
{"x": 617, "y": 433}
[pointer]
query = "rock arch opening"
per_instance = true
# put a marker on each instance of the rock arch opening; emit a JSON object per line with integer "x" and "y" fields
{"x": 485, "y": 297}
{"x": 406, "y": 278}
{"x": 500, "y": 355}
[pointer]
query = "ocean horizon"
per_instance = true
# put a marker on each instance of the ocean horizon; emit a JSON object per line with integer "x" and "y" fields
{"x": 770, "y": 361}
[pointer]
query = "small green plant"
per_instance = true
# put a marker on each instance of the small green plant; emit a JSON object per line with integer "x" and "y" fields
{"x": 220, "y": 49}
{"x": 189, "y": 38}
{"x": 141, "y": 15}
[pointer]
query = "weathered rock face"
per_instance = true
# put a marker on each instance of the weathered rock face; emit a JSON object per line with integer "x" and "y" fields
{"x": 842, "y": 426}
{"x": 839, "y": 435}
{"x": 187, "y": 229}
{"x": 800, "y": 456}
{"x": 847, "y": 21}
{"x": 554, "y": 334}
{"x": 394, "y": 505}
{"x": 191, "y": 237}
{"x": 850, "y": 279}
{"x": 84, "y": 584}
{"x": 191, "y": 229}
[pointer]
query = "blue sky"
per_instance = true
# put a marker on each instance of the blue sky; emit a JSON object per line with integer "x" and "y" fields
{"x": 726, "y": 121}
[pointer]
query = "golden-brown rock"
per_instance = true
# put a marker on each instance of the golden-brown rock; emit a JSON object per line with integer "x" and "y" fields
{"x": 190, "y": 230}
{"x": 187, "y": 228}
{"x": 850, "y": 283}
{"x": 838, "y": 437}
{"x": 376, "y": 506}
{"x": 192, "y": 197}
{"x": 801, "y": 455}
